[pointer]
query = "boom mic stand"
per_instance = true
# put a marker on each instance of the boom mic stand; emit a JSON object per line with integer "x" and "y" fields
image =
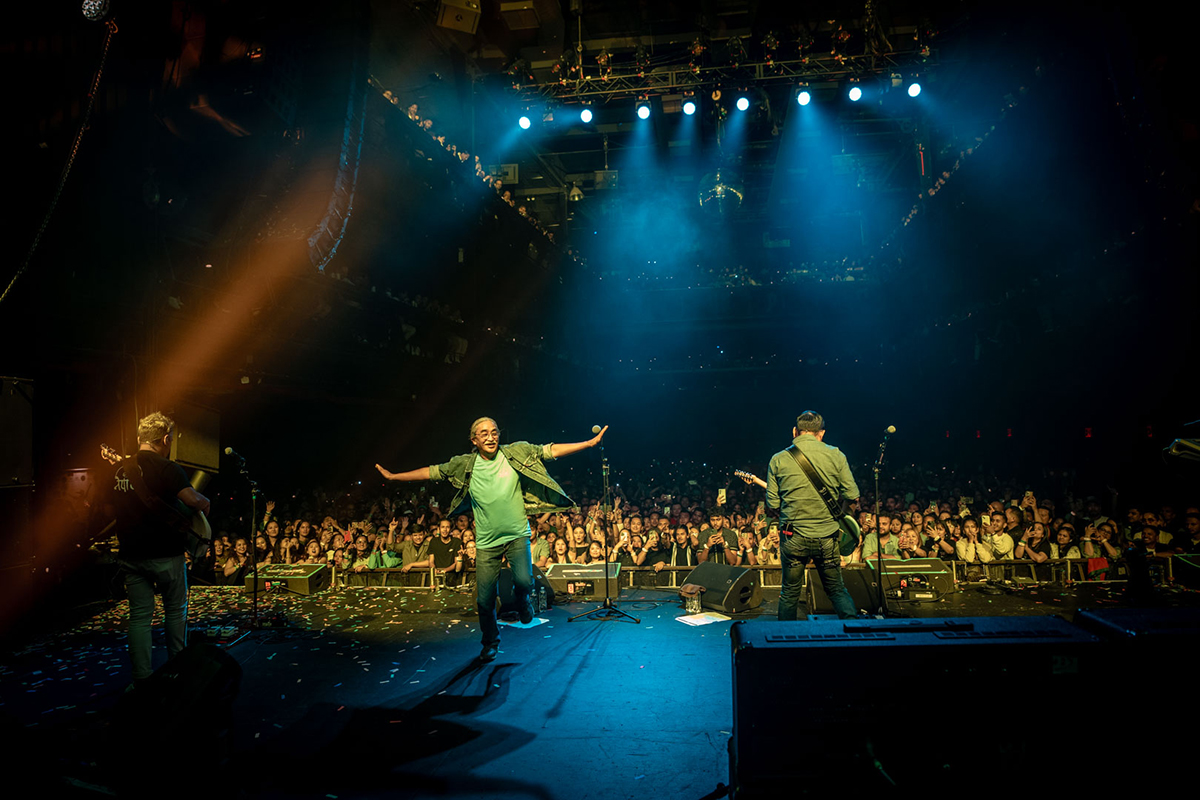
{"x": 882, "y": 610}
{"x": 605, "y": 610}
{"x": 253, "y": 543}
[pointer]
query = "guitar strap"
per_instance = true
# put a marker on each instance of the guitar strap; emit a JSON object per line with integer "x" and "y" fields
{"x": 822, "y": 490}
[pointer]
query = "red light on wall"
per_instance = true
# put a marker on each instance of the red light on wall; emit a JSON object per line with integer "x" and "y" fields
{"x": 947, "y": 434}
{"x": 1010, "y": 433}
{"x": 1149, "y": 431}
{"x": 978, "y": 435}
{"x": 1087, "y": 433}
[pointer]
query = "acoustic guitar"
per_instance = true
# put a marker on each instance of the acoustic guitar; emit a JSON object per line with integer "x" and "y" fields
{"x": 174, "y": 513}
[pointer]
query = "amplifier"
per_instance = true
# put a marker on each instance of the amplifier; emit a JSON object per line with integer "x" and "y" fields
{"x": 824, "y": 704}
{"x": 583, "y": 581}
{"x": 297, "y": 578}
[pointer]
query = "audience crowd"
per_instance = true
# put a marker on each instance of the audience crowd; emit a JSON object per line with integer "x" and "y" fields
{"x": 681, "y": 516}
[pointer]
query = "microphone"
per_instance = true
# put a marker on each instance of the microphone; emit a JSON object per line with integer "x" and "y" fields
{"x": 229, "y": 451}
{"x": 595, "y": 429}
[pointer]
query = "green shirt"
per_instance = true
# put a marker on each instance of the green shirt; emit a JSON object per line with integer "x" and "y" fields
{"x": 540, "y": 493}
{"x": 789, "y": 489}
{"x": 497, "y": 502}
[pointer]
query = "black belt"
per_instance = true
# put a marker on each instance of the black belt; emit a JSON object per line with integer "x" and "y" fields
{"x": 788, "y": 530}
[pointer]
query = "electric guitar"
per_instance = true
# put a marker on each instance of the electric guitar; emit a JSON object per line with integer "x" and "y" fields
{"x": 851, "y": 533}
{"x": 750, "y": 478}
{"x": 174, "y": 513}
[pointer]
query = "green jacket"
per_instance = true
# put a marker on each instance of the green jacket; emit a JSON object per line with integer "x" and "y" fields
{"x": 540, "y": 492}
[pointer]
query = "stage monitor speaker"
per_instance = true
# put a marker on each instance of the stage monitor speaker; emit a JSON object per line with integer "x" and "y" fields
{"x": 730, "y": 590}
{"x": 859, "y": 580}
{"x": 508, "y": 599}
{"x": 16, "y": 432}
{"x": 833, "y": 705}
{"x": 197, "y": 437}
{"x": 459, "y": 15}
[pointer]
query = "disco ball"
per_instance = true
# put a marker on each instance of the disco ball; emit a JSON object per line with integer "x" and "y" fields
{"x": 721, "y": 192}
{"x": 95, "y": 10}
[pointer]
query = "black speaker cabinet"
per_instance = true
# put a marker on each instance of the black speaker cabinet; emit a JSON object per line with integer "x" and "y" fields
{"x": 189, "y": 699}
{"x": 197, "y": 437}
{"x": 850, "y": 706}
{"x": 459, "y": 15}
{"x": 859, "y": 580}
{"x": 16, "y": 432}
{"x": 730, "y": 590}
{"x": 508, "y": 599}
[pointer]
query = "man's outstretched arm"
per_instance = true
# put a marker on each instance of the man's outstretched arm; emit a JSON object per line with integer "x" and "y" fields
{"x": 421, "y": 474}
{"x": 560, "y": 450}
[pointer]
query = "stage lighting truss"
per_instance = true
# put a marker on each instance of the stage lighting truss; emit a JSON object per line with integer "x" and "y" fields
{"x": 715, "y": 78}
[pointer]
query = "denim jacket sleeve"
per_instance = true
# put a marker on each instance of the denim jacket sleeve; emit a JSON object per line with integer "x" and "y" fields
{"x": 454, "y": 470}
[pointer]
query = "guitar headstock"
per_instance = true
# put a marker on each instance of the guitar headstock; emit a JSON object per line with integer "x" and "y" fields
{"x": 748, "y": 477}
{"x": 110, "y": 455}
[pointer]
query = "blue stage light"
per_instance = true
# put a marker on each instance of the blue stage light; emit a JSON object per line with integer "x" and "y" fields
{"x": 586, "y": 115}
{"x": 524, "y": 122}
{"x": 855, "y": 94}
{"x": 689, "y": 107}
{"x": 643, "y": 110}
{"x": 743, "y": 103}
{"x": 804, "y": 98}
{"x": 914, "y": 89}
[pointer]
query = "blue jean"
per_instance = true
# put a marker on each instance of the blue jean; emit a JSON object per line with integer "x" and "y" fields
{"x": 168, "y": 577}
{"x": 487, "y": 576}
{"x": 794, "y": 553}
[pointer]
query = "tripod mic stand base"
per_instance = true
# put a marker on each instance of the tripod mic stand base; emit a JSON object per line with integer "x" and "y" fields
{"x": 606, "y": 610}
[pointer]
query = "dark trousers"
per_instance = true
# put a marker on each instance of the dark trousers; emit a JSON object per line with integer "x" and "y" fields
{"x": 487, "y": 576}
{"x": 794, "y": 553}
{"x": 143, "y": 579}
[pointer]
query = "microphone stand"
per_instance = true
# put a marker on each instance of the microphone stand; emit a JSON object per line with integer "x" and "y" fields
{"x": 605, "y": 610}
{"x": 882, "y": 610}
{"x": 253, "y": 543}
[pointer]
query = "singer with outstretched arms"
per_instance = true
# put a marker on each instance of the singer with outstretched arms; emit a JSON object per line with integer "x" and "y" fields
{"x": 503, "y": 485}
{"x": 807, "y": 529}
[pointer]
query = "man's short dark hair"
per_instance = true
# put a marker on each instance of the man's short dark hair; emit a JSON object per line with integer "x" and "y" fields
{"x": 810, "y": 421}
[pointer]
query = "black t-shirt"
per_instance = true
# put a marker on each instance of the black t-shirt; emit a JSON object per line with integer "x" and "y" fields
{"x": 444, "y": 552}
{"x": 141, "y": 533}
{"x": 717, "y": 553}
{"x": 1043, "y": 546}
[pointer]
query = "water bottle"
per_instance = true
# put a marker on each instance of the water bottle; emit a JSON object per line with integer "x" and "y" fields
{"x": 541, "y": 599}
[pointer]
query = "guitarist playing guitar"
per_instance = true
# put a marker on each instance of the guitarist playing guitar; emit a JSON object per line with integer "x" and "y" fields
{"x": 805, "y": 485}
{"x": 152, "y": 541}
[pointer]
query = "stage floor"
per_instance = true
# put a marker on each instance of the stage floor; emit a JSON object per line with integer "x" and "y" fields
{"x": 367, "y": 691}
